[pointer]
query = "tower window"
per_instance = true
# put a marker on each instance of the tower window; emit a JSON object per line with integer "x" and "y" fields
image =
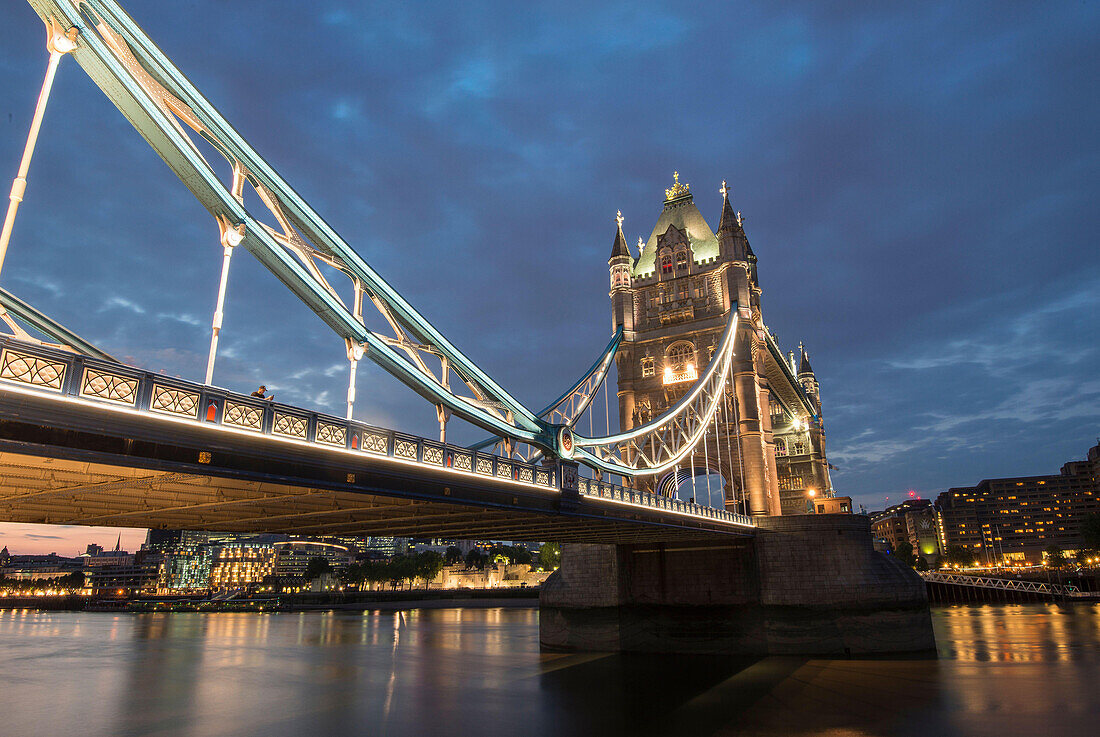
{"x": 680, "y": 355}
{"x": 647, "y": 367}
{"x": 787, "y": 483}
{"x": 666, "y": 264}
{"x": 681, "y": 261}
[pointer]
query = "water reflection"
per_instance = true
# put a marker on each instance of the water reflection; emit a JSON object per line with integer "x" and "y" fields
{"x": 1002, "y": 670}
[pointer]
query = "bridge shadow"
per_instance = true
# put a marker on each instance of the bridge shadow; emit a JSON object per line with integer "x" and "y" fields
{"x": 636, "y": 695}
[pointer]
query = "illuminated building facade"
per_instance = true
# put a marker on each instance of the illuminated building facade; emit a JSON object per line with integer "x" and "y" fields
{"x": 1016, "y": 519}
{"x": 237, "y": 565}
{"x": 294, "y": 556}
{"x": 672, "y": 301}
{"x": 185, "y": 568}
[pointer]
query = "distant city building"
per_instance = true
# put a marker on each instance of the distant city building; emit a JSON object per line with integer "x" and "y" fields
{"x": 185, "y": 568}
{"x": 36, "y": 567}
{"x": 892, "y": 525}
{"x": 388, "y": 546}
{"x": 170, "y": 539}
{"x": 125, "y": 579}
{"x": 293, "y": 557}
{"x": 1017, "y": 519}
{"x": 242, "y": 565}
{"x": 242, "y": 562}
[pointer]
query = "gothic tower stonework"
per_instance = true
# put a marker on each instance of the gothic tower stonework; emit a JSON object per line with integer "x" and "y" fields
{"x": 673, "y": 301}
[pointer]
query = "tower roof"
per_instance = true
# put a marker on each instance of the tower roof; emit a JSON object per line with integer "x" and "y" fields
{"x": 679, "y": 210}
{"x": 619, "y": 247}
{"x": 804, "y": 364}
{"x": 730, "y": 220}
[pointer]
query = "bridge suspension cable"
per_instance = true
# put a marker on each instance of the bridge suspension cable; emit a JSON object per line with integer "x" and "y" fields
{"x": 660, "y": 444}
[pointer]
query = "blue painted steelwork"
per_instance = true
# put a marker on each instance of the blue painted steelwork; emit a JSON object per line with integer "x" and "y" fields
{"x": 159, "y": 102}
{"x": 592, "y": 379}
{"x": 153, "y": 94}
{"x": 48, "y": 326}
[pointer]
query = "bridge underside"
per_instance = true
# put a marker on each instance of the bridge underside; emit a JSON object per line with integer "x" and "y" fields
{"x": 74, "y": 492}
{"x": 84, "y": 466}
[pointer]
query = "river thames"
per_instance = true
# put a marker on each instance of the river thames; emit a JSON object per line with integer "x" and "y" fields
{"x": 1002, "y": 670}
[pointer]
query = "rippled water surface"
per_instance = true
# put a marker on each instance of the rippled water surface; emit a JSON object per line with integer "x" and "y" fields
{"x": 1002, "y": 670}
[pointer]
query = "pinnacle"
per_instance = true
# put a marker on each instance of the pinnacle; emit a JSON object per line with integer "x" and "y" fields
{"x": 731, "y": 221}
{"x": 619, "y": 247}
{"x": 804, "y": 364}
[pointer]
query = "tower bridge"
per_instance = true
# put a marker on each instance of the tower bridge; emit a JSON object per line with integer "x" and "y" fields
{"x": 703, "y": 387}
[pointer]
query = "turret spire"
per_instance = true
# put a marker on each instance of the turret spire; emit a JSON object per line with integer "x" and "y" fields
{"x": 731, "y": 235}
{"x": 619, "y": 248}
{"x": 804, "y": 363}
{"x": 730, "y": 221}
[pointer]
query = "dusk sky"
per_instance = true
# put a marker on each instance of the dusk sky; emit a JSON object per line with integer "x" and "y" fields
{"x": 916, "y": 181}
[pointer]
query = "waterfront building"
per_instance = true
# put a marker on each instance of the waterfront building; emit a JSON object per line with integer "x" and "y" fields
{"x": 169, "y": 539}
{"x": 672, "y": 300}
{"x": 96, "y": 557}
{"x": 242, "y": 565}
{"x": 36, "y": 567}
{"x": 1014, "y": 520}
{"x": 914, "y": 521}
{"x": 294, "y": 555}
{"x": 124, "y": 580}
{"x": 185, "y": 568}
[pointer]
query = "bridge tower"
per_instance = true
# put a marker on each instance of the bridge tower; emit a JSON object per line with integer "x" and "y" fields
{"x": 673, "y": 301}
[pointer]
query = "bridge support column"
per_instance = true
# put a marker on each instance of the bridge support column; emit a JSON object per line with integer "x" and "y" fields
{"x": 804, "y": 585}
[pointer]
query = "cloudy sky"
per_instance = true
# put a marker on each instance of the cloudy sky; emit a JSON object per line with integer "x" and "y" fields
{"x": 920, "y": 183}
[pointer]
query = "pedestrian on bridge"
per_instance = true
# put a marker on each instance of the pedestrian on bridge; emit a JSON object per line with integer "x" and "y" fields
{"x": 260, "y": 393}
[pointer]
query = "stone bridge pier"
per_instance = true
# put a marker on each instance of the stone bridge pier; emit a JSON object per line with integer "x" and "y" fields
{"x": 804, "y": 585}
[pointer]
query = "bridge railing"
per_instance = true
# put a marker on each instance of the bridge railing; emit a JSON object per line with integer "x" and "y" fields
{"x": 92, "y": 381}
{"x": 1002, "y": 584}
{"x": 595, "y": 489}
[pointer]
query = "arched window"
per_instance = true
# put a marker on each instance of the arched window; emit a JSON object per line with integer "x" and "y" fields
{"x": 681, "y": 261}
{"x": 679, "y": 355}
{"x": 666, "y": 264}
{"x": 647, "y": 366}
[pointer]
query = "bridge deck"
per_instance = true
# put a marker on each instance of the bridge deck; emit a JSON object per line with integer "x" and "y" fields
{"x": 88, "y": 445}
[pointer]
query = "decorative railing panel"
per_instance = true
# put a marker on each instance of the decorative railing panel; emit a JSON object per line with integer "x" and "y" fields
{"x": 111, "y": 387}
{"x": 433, "y": 455}
{"x": 243, "y": 415}
{"x": 291, "y": 426}
{"x": 332, "y": 434}
{"x": 33, "y": 370}
{"x": 173, "y": 401}
{"x": 484, "y": 465}
{"x": 463, "y": 462}
{"x": 376, "y": 442}
{"x": 404, "y": 449}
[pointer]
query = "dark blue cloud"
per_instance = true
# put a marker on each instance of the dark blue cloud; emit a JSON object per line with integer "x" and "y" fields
{"x": 917, "y": 181}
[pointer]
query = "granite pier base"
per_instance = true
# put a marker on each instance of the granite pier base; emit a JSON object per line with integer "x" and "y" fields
{"x": 803, "y": 585}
